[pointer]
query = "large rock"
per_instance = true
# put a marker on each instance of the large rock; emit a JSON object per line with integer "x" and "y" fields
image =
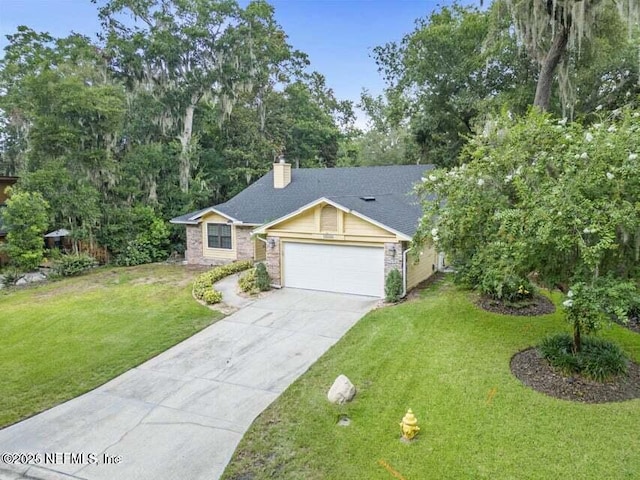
{"x": 34, "y": 277}
{"x": 341, "y": 391}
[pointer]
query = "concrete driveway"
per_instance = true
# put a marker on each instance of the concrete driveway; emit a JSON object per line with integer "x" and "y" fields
{"x": 182, "y": 413}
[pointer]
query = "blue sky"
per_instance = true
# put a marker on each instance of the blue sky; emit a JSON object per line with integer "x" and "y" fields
{"x": 338, "y": 35}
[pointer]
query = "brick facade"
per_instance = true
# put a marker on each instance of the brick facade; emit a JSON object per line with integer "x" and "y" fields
{"x": 194, "y": 252}
{"x": 392, "y": 257}
{"x": 273, "y": 260}
{"x": 245, "y": 250}
{"x": 244, "y": 243}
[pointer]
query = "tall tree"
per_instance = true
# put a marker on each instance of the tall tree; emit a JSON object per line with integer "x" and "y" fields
{"x": 188, "y": 51}
{"x": 455, "y": 67}
{"x": 64, "y": 113}
{"x": 552, "y": 31}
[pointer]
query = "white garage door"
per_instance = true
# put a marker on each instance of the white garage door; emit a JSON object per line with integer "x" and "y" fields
{"x": 334, "y": 268}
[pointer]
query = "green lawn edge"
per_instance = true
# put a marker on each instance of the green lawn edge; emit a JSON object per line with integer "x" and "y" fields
{"x": 61, "y": 339}
{"x": 448, "y": 360}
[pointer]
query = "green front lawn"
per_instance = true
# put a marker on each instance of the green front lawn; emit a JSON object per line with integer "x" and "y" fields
{"x": 448, "y": 361}
{"x": 67, "y": 337}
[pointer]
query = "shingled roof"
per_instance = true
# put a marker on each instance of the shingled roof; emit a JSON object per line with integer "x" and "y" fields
{"x": 394, "y": 206}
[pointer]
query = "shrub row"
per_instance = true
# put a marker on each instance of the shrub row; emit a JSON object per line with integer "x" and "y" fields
{"x": 203, "y": 284}
{"x": 247, "y": 282}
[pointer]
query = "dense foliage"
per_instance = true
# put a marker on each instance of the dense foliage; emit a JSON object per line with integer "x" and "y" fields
{"x": 180, "y": 105}
{"x": 25, "y": 219}
{"x": 263, "y": 282}
{"x": 247, "y": 281}
{"x": 545, "y": 199}
{"x": 461, "y": 66}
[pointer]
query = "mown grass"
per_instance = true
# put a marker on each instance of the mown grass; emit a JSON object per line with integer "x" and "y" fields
{"x": 448, "y": 361}
{"x": 67, "y": 337}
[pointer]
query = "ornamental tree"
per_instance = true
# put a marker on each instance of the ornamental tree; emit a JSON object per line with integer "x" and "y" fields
{"x": 541, "y": 197}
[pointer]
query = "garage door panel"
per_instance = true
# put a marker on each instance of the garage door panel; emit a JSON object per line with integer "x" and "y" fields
{"x": 334, "y": 268}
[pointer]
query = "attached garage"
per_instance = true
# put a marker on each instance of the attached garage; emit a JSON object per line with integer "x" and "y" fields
{"x": 330, "y": 267}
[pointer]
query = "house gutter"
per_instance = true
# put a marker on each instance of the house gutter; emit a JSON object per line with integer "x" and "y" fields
{"x": 404, "y": 272}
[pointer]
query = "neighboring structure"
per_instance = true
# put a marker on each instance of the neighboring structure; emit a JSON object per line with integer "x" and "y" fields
{"x": 337, "y": 229}
{"x": 4, "y": 183}
{"x": 58, "y": 239}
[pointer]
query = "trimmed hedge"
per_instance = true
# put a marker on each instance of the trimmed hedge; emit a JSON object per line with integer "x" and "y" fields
{"x": 204, "y": 282}
{"x": 247, "y": 282}
{"x": 212, "y": 296}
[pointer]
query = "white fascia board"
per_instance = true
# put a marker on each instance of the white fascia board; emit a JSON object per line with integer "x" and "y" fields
{"x": 266, "y": 226}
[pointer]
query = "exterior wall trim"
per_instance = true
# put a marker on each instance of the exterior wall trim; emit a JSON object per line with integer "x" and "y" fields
{"x": 266, "y": 226}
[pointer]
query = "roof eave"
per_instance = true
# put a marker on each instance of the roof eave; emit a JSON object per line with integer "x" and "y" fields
{"x": 262, "y": 229}
{"x": 213, "y": 210}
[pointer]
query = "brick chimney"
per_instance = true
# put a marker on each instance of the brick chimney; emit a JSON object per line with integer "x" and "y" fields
{"x": 281, "y": 174}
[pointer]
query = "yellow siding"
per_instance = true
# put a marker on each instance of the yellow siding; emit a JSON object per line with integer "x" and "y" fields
{"x": 304, "y": 222}
{"x": 326, "y": 242}
{"x": 260, "y": 249}
{"x": 356, "y": 226}
{"x": 417, "y": 272}
{"x": 348, "y": 227}
{"x": 218, "y": 253}
{"x": 213, "y": 217}
{"x": 329, "y": 219}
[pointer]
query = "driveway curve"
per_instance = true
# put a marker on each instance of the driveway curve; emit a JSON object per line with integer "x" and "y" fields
{"x": 182, "y": 413}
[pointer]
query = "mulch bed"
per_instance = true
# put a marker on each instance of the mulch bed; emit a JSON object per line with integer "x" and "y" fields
{"x": 535, "y": 372}
{"x": 538, "y": 305}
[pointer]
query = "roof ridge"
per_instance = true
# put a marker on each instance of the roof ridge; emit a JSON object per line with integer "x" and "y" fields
{"x": 361, "y": 195}
{"x": 363, "y": 167}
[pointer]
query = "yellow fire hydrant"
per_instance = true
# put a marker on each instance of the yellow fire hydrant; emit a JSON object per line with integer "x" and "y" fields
{"x": 409, "y": 425}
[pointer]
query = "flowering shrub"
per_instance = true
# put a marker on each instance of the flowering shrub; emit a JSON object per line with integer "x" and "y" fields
{"x": 588, "y": 306}
{"x": 538, "y": 195}
{"x": 505, "y": 286}
{"x": 583, "y": 310}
